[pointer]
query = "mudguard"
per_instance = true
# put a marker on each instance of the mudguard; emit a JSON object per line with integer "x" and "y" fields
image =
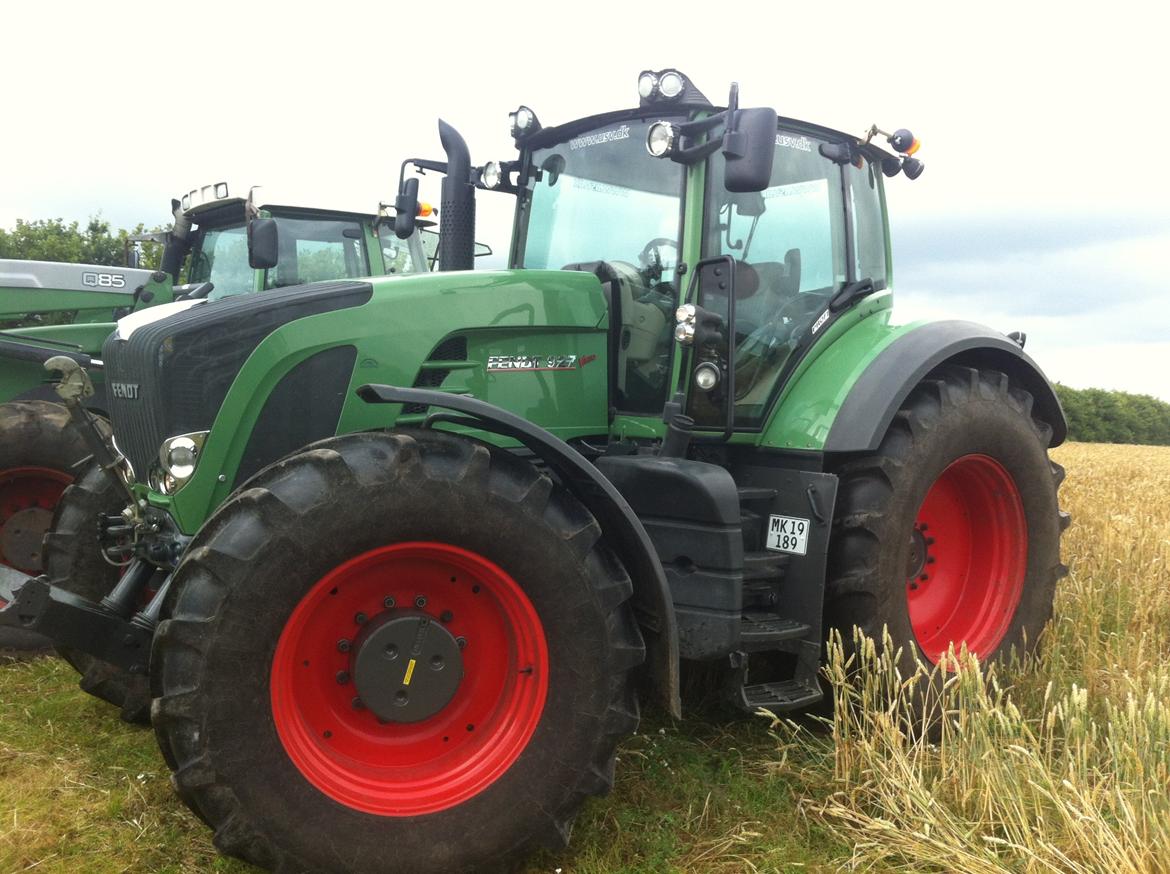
{"x": 653, "y": 605}
{"x": 883, "y": 386}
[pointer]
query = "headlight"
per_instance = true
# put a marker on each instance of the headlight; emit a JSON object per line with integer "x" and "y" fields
{"x": 660, "y": 139}
{"x": 706, "y": 376}
{"x": 178, "y": 458}
{"x": 491, "y": 174}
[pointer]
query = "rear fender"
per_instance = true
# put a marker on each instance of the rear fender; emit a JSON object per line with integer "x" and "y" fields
{"x": 881, "y": 389}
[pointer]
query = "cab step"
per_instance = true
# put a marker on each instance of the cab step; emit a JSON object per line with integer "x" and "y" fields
{"x": 762, "y": 631}
{"x": 780, "y": 697}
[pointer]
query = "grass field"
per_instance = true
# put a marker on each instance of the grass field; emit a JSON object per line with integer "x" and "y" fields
{"x": 1058, "y": 765}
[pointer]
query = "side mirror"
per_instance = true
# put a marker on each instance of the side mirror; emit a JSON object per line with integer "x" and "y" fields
{"x": 263, "y": 252}
{"x": 749, "y": 147}
{"x": 406, "y": 207}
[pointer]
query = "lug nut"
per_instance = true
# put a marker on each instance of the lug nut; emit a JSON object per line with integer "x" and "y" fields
{"x": 357, "y": 704}
{"x": 446, "y": 616}
{"x": 388, "y": 602}
{"x": 343, "y": 645}
{"x": 461, "y": 641}
{"x": 342, "y": 677}
{"x": 930, "y": 541}
{"x": 930, "y": 559}
{"x": 420, "y": 601}
{"x": 360, "y": 619}
{"x": 913, "y": 587}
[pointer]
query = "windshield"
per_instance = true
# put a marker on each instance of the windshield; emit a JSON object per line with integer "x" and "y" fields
{"x": 600, "y": 197}
{"x": 789, "y": 245}
{"x": 221, "y": 258}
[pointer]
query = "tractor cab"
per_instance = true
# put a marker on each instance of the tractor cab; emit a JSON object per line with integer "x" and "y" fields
{"x": 726, "y": 238}
{"x": 241, "y": 245}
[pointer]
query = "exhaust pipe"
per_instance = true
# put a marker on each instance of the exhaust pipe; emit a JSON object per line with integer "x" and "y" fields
{"x": 457, "y": 206}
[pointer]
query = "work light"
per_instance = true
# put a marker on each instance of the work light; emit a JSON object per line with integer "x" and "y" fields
{"x": 660, "y": 139}
{"x": 647, "y": 85}
{"x": 671, "y": 84}
{"x": 523, "y": 122}
{"x": 491, "y": 174}
{"x": 706, "y": 376}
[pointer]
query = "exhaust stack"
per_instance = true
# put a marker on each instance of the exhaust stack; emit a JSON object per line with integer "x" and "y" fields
{"x": 457, "y": 206}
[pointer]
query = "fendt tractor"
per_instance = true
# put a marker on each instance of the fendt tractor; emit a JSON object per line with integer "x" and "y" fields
{"x": 49, "y": 309}
{"x": 402, "y": 558}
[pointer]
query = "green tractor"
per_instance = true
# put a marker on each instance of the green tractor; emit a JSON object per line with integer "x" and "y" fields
{"x": 49, "y": 309}
{"x": 404, "y": 555}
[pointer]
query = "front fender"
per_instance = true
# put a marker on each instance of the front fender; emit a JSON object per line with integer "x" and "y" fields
{"x": 889, "y": 378}
{"x": 623, "y": 530}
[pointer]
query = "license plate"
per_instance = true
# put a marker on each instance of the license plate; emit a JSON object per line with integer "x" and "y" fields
{"x": 787, "y": 534}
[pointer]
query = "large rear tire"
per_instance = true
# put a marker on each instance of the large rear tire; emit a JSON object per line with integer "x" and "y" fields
{"x": 306, "y": 590}
{"x": 39, "y": 450}
{"x": 950, "y": 532}
{"x": 74, "y": 562}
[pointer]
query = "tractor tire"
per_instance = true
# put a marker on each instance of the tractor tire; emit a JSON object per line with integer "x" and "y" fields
{"x": 302, "y": 757}
{"x": 73, "y": 561}
{"x": 38, "y": 451}
{"x": 950, "y": 532}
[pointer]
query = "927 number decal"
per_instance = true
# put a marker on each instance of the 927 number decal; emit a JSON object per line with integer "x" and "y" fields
{"x": 787, "y": 534}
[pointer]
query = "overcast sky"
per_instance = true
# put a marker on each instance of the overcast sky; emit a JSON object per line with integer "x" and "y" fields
{"x": 1044, "y": 128}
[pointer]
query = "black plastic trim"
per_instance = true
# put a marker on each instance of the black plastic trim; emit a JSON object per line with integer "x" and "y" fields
{"x": 879, "y": 392}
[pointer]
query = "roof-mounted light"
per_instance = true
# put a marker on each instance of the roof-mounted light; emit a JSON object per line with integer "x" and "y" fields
{"x": 667, "y": 86}
{"x": 523, "y": 123}
{"x": 647, "y": 85}
{"x": 671, "y": 84}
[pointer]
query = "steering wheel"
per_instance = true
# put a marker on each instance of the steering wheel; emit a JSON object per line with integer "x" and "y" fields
{"x": 778, "y": 329}
{"x": 651, "y": 259}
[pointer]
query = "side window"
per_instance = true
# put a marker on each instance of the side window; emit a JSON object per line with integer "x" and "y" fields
{"x": 314, "y": 250}
{"x": 221, "y": 258}
{"x": 397, "y": 254}
{"x": 869, "y": 226}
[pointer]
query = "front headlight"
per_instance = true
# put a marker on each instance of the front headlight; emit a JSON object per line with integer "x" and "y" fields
{"x": 660, "y": 139}
{"x": 178, "y": 457}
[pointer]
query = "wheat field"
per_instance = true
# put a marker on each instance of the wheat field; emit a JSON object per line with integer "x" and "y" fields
{"x": 1061, "y": 764}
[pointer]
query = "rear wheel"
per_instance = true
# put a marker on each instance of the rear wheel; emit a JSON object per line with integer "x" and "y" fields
{"x": 949, "y": 534}
{"x": 406, "y": 640}
{"x": 39, "y": 449}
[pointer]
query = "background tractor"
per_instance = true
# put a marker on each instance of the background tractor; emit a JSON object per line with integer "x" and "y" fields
{"x": 403, "y": 555}
{"x": 49, "y": 309}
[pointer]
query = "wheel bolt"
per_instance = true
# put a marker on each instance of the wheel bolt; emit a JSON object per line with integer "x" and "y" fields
{"x": 401, "y": 699}
{"x": 342, "y": 677}
{"x": 357, "y": 704}
{"x": 914, "y": 587}
{"x": 924, "y": 578}
{"x": 360, "y": 619}
{"x": 923, "y": 527}
{"x": 446, "y": 616}
{"x": 930, "y": 541}
{"x": 343, "y": 645}
{"x": 930, "y": 559}
{"x": 461, "y": 641}
{"x": 388, "y": 602}
{"x": 420, "y": 601}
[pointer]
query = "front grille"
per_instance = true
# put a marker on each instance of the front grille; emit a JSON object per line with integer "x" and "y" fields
{"x": 184, "y": 365}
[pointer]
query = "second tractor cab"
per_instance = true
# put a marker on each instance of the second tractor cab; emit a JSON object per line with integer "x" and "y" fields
{"x": 49, "y": 309}
{"x": 402, "y": 558}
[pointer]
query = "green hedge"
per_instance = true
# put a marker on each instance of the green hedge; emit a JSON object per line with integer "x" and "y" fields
{"x": 1099, "y": 416}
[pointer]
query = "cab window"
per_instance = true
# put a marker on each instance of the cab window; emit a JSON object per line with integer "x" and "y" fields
{"x": 788, "y": 242}
{"x": 397, "y": 254}
{"x": 869, "y": 224}
{"x": 220, "y": 257}
{"x": 314, "y": 250}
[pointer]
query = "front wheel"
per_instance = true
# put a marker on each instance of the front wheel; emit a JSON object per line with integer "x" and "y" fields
{"x": 409, "y": 642}
{"x": 949, "y": 534}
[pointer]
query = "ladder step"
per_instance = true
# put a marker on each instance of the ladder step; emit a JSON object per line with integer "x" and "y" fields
{"x": 764, "y": 565}
{"x": 755, "y": 493}
{"x": 760, "y": 630}
{"x": 777, "y": 697}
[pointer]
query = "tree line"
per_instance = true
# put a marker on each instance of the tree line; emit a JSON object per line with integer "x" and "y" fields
{"x": 1095, "y": 415}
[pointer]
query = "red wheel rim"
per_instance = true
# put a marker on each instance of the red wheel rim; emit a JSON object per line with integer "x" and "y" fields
{"x": 969, "y": 555}
{"x": 408, "y": 769}
{"x": 28, "y": 496}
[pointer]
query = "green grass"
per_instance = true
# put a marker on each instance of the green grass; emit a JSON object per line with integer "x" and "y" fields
{"x": 81, "y": 791}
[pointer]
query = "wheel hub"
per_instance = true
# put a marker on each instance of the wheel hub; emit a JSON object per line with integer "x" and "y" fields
{"x": 21, "y": 536}
{"x": 406, "y": 667}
